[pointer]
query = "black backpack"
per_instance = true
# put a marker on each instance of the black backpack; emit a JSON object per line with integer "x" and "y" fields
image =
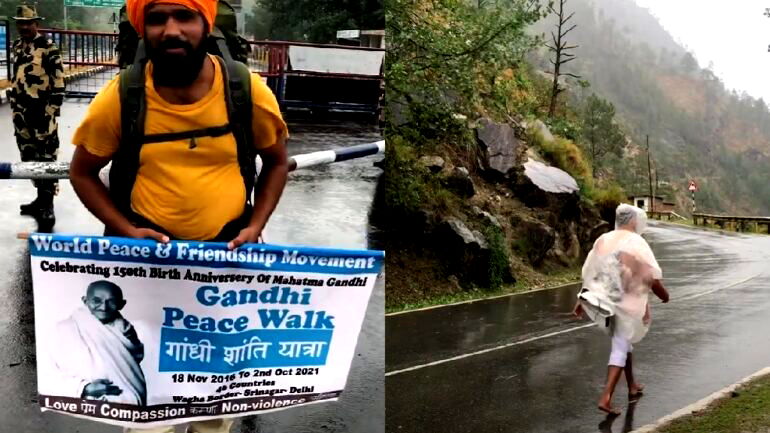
{"x": 237, "y": 80}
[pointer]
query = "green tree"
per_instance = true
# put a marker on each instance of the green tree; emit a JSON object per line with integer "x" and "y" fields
{"x": 53, "y": 11}
{"x": 259, "y": 21}
{"x": 688, "y": 63}
{"x": 313, "y": 20}
{"x": 600, "y": 133}
{"x": 561, "y": 52}
{"x": 448, "y": 55}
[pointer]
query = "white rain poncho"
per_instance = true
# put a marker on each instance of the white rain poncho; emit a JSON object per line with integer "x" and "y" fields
{"x": 618, "y": 275}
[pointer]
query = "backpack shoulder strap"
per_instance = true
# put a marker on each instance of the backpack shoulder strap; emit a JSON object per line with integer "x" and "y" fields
{"x": 125, "y": 163}
{"x": 132, "y": 104}
{"x": 221, "y": 42}
{"x": 237, "y": 78}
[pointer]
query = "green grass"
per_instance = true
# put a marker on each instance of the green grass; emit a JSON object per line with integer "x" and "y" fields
{"x": 749, "y": 412}
{"x": 553, "y": 280}
{"x": 469, "y": 295}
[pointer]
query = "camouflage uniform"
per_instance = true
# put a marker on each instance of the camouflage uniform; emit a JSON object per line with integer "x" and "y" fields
{"x": 36, "y": 97}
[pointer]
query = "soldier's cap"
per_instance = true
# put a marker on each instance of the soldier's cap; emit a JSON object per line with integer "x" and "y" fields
{"x": 26, "y": 13}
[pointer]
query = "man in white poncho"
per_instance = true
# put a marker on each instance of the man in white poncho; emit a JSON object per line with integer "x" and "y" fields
{"x": 618, "y": 275}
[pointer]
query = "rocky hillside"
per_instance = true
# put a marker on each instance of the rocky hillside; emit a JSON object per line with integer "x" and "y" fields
{"x": 478, "y": 197}
{"x": 511, "y": 217}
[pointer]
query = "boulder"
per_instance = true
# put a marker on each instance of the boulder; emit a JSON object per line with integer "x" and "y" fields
{"x": 534, "y": 239}
{"x": 598, "y": 230}
{"x": 454, "y": 284}
{"x": 460, "y": 182}
{"x": 571, "y": 243}
{"x": 502, "y": 150}
{"x": 550, "y": 179}
{"x": 454, "y": 233}
{"x": 555, "y": 254}
{"x": 480, "y": 239}
{"x": 487, "y": 217}
{"x": 433, "y": 163}
{"x": 592, "y": 225}
{"x": 465, "y": 252}
{"x": 542, "y": 186}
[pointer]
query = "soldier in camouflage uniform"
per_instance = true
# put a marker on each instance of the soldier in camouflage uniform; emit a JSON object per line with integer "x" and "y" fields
{"x": 36, "y": 97}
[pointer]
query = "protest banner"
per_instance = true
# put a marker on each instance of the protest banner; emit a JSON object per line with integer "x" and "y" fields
{"x": 138, "y": 334}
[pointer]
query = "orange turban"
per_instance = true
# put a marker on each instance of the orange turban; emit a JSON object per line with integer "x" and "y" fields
{"x": 135, "y": 10}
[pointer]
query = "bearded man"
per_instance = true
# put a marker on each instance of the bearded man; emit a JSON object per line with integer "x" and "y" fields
{"x": 188, "y": 181}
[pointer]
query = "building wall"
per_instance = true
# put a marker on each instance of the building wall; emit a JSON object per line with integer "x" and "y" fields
{"x": 373, "y": 41}
{"x": 643, "y": 202}
{"x": 665, "y": 207}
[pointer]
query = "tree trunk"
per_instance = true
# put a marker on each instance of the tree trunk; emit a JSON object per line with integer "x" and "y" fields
{"x": 555, "y": 88}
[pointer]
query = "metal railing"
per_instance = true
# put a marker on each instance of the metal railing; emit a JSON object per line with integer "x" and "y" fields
{"x": 81, "y": 48}
{"x": 733, "y": 222}
{"x": 268, "y": 58}
{"x": 91, "y": 60}
{"x": 659, "y": 215}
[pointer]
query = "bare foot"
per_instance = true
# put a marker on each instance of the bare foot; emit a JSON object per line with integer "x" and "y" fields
{"x": 604, "y": 406}
{"x": 635, "y": 391}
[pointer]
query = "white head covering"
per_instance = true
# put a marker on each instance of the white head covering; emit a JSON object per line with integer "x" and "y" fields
{"x": 630, "y": 217}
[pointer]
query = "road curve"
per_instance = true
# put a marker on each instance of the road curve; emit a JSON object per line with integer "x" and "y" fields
{"x": 522, "y": 364}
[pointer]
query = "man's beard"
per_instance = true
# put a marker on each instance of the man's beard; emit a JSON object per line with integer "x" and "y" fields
{"x": 173, "y": 70}
{"x": 27, "y": 34}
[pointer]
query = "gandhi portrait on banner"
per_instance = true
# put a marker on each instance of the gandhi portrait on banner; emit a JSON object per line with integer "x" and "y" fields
{"x": 99, "y": 351}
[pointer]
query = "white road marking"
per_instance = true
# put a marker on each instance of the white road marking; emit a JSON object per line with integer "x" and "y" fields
{"x": 551, "y": 334}
{"x": 491, "y": 349}
{"x": 708, "y": 292}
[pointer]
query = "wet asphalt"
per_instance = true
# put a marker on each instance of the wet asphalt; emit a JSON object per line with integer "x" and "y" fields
{"x": 322, "y": 206}
{"x": 543, "y": 370}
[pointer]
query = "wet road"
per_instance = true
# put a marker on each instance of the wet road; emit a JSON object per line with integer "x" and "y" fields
{"x": 521, "y": 364}
{"x": 321, "y": 206}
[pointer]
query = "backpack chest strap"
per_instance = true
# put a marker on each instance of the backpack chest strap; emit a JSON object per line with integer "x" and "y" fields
{"x": 214, "y": 131}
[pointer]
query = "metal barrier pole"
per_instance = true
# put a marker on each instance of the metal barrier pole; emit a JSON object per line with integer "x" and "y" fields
{"x": 60, "y": 170}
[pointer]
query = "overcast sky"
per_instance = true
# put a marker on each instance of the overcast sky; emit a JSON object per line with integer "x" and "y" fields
{"x": 734, "y": 35}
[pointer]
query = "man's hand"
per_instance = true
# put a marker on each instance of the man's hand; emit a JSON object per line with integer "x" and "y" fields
{"x": 647, "y": 316}
{"x": 660, "y": 291}
{"x": 100, "y": 388}
{"x": 84, "y": 177}
{"x": 246, "y": 236}
{"x": 139, "y": 233}
{"x": 578, "y": 310}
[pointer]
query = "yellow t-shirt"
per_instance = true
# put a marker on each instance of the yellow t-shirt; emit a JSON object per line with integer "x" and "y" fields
{"x": 191, "y": 192}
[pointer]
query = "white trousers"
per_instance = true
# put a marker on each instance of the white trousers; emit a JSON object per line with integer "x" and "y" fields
{"x": 620, "y": 350}
{"x": 210, "y": 426}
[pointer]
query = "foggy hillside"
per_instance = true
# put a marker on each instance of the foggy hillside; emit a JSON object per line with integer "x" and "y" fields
{"x": 697, "y": 128}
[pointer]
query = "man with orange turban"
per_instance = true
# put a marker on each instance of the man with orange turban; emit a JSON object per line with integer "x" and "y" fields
{"x": 188, "y": 181}
{"x": 136, "y": 11}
